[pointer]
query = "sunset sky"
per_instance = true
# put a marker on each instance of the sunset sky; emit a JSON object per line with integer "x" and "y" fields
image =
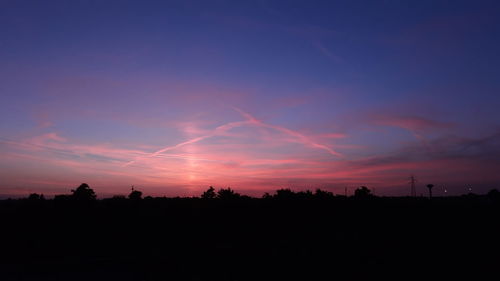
{"x": 175, "y": 96}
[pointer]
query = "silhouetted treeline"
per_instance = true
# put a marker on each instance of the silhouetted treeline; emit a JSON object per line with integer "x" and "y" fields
{"x": 222, "y": 235}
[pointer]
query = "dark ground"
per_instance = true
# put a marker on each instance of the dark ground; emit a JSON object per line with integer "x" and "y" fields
{"x": 251, "y": 239}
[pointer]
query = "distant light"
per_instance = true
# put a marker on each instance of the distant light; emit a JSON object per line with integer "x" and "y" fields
{"x": 445, "y": 191}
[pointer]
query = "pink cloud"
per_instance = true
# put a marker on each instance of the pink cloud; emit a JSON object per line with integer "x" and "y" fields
{"x": 250, "y": 121}
{"x": 333, "y": 136}
{"x": 411, "y": 123}
{"x": 305, "y": 140}
{"x": 414, "y": 124}
{"x": 247, "y": 155}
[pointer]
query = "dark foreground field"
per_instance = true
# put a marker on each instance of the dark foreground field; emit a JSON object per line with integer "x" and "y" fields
{"x": 251, "y": 239}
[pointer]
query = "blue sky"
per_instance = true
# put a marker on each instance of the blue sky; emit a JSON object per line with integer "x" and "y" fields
{"x": 249, "y": 94}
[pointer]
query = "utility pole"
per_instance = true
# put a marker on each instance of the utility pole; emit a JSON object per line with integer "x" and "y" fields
{"x": 413, "y": 191}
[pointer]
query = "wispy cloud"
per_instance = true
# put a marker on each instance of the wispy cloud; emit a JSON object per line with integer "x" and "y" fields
{"x": 326, "y": 52}
{"x": 298, "y": 137}
{"x": 252, "y": 155}
{"x": 414, "y": 124}
{"x": 250, "y": 121}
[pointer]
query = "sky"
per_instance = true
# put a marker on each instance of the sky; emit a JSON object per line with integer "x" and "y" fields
{"x": 175, "y": 96}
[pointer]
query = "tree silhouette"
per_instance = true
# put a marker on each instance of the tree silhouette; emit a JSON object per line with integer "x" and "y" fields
{"x": 36, "y": 197}
{"x": 363, "y": 192}
{"x": 321, "y": 194}
{"x": 430, "y": 186}
{"x": 227, "y": 193}
{"x": 62, "y": 197}
{"x": 304, "y": 194}
{"x": 83, "y": 193}
{"x": 494, "y": 193}
{"x": 284, "y": 193}
{"x": 209, "y": 193}
{"x": 135, "y": 194}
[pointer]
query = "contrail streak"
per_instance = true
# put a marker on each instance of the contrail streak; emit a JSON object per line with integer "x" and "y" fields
{"x": 250, "y": 121}
{"x": 217, "y": 131}
{"x": 302, "y": 138}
